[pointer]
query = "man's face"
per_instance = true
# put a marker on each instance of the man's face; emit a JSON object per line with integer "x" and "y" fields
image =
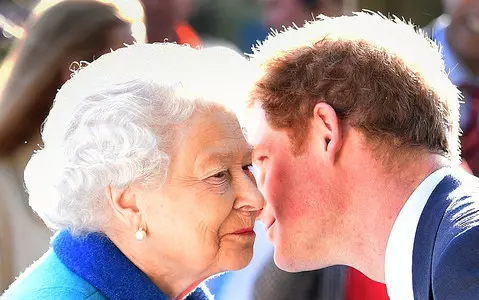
{"x": 463, "y": 31}
{"x": 302, "y": 217}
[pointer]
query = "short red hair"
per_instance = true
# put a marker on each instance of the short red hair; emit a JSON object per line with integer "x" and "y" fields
{"x": 380, "y": 75}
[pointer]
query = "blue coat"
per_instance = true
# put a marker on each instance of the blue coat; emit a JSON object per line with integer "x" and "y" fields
{"x": 446, "y": 245}
{"x": 89, "y": 267}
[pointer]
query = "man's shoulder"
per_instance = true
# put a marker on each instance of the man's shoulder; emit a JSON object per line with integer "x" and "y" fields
{"x": 455, "y": 266}
{"x": 462, "y": 212}
{"x": 49, "y": 278}
{"x": 460, "y": 222}
{"x": 455, "y": 270}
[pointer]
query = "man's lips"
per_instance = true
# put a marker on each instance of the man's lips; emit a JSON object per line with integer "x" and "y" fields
{"x": 270, "y": 224}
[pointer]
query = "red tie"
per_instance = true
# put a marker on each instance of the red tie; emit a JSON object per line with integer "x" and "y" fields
{"x": 470, "y": 132}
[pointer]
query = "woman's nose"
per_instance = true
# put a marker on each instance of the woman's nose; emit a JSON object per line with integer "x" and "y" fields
{"x": 248, "y": 197}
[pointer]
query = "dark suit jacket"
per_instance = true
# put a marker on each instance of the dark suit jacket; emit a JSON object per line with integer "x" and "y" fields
{"x": 446, "y": 245}
{"x": 276, "y": 284}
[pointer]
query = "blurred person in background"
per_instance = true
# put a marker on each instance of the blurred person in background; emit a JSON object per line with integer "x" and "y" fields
{"x": 187, "y": 34}
{"x": 167, "y": 20}
{"x": 279, "y": 13}
{"x": 11, "y": 18}
{"x": 184, "y": 31}
{"x": 457, "y": 31}
{"x": 56, "y": 34}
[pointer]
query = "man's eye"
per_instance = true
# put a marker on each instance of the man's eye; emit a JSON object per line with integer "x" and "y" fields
{"x": 248, "y": 167}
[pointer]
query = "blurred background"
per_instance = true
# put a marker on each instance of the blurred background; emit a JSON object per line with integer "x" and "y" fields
{"x": 38, "y": 46}
{"x": 236, "y": 21}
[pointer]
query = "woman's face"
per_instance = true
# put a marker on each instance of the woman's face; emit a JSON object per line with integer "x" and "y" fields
{"x": 202, "y": 218}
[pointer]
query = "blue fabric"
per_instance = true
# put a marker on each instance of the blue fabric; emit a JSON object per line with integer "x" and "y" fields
{"x": 85, "y": 267}
{"x": 49, "y": 278}
{"x": 446, "y": 245}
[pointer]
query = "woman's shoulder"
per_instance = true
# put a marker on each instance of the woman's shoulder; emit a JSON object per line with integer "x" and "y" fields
{"x": 49, "y": 278}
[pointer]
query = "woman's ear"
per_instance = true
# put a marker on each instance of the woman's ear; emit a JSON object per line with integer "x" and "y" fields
{"x": 326, "y": 126}
{"x": 124, "y": 204}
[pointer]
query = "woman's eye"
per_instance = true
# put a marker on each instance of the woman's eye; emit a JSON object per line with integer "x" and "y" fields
{"x": 220, "y": 175}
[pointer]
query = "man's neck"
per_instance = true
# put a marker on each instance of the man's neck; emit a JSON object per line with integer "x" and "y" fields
{"x": 383, "y": 195}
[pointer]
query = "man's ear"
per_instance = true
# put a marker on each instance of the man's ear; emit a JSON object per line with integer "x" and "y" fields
{"x": 326, "y": 125}
{"x": 124, "y": 204}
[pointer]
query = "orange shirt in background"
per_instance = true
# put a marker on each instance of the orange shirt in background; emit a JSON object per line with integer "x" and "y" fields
{"x": 187, "y": 35}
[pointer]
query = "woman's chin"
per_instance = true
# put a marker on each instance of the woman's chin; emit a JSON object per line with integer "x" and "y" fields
{"x": 237, "y": 261}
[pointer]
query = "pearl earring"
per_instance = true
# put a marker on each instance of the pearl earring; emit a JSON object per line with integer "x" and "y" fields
{"x": 140, "y": 234}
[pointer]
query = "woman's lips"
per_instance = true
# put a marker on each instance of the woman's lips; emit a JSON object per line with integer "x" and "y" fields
{"x": 248, "y": 230}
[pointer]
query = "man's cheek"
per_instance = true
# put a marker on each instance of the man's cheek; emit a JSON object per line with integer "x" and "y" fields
{"x": 271, "y": 187}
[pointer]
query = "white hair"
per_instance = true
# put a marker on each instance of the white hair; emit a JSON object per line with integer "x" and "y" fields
{"x": 115, "y": 121}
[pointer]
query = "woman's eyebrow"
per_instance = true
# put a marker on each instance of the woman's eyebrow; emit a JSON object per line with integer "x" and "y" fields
{"x": 222, "y": 157}
{"x": 213, "y": 158}
{"x": 249, "y": 152}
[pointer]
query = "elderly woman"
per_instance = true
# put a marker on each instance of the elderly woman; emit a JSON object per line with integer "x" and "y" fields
{"x": 145, "y": 175}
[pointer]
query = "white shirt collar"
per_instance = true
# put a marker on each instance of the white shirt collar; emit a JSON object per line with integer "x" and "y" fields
{"x": 399, "y": 249}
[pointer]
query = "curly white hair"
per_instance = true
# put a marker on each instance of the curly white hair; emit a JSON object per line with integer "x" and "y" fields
{"x": 116, "y": 122}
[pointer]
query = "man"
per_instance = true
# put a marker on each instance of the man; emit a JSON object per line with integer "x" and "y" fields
{"x": 329, "y": 283}
{"x": 457, "y": 31}
{"x": 356, "y": 142}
